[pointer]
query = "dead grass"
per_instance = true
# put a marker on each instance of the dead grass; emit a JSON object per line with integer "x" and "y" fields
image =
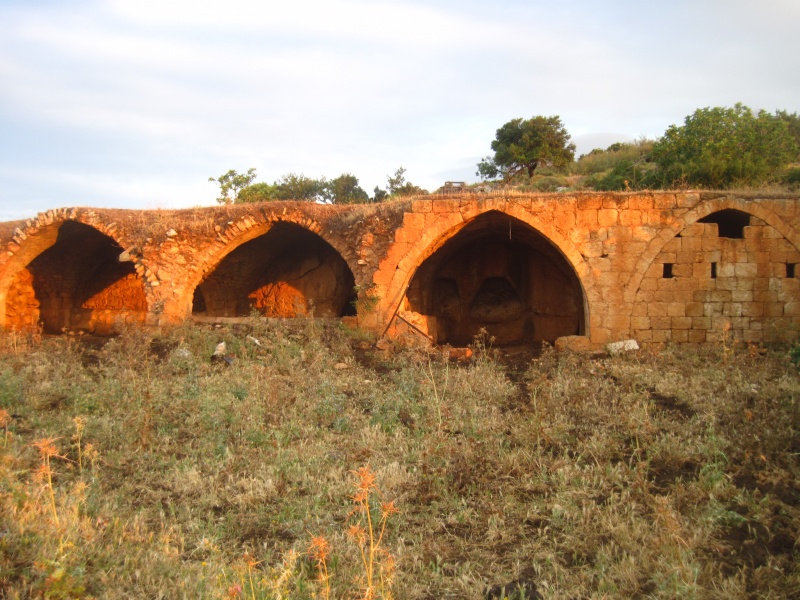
{"x": 669, "y": 474}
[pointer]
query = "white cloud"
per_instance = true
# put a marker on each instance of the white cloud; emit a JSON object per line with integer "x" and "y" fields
{"x": 162, "y": 94}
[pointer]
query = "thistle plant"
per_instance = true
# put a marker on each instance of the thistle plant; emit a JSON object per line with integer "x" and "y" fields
{"x": 47, "y": 450}
{"x": 377, "y": 562}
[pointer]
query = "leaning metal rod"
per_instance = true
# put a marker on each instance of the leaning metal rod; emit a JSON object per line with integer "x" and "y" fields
{"x": 410, "y": 324}
{"x": 396, "y": 310}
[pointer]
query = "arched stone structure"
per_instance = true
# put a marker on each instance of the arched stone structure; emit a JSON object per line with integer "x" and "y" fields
{"x": 431, "y": 224}
{"x": 499, "y": 275}
{"x": 608, "y": 248}
{"x": 726, "y": 271}
{"x": 287, "y": 271}
{"x": 69, "y": 276}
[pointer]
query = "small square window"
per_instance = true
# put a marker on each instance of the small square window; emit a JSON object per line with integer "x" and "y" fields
{"x": 668, "y": 271}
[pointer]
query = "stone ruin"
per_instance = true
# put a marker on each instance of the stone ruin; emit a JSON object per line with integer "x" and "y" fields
{"x": 525, "y": 268}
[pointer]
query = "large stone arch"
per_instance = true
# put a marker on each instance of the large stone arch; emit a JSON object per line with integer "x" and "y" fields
{"x": 525, "y": 242}
{"x": 727, "y": 265}
{"x": 281, "y": 269}
{"x": 66, "y": 273}
{"x": 693, "y": 215}
{"x": 228, "y": 239}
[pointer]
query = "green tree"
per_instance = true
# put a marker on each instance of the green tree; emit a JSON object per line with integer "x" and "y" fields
{"x": 299, "y": 187}
{"x": 344, "y": 190}
{"x": 379, "y": 194}
{"x": 792, "y": 121}
{"x": 522, "y": 145}
{"x": 231, "y": 183}
{"x": 257, "y": 192}
{"x": 398, "y": 186}
{"x": 721, "y": 147}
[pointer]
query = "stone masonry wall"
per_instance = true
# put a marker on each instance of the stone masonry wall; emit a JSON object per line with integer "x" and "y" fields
{"x": 613, "y": 247}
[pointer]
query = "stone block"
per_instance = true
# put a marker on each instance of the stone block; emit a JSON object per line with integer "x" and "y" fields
{"x": 630, "y": 218}
{"x": 732, "y": 309}
{"x": 664, "y": 201}
{"x": 753, "y": 309}
{"x": 661, "y": 336}
{"x": 623, "y": 346}
{"x": 592, "y": 249}
{"x": 693, "y": 231}
{"x": 657, "y": 309}
{"x": 573, "y": 343}
{"x": 696, "y": 336}
{"x": 414, "y": 220}
{"x": 640, "y": 202}
{"x": 606, "y": 217}
{"x": 660, "y": 322}
{"x": 699, "y": 270}
{"x": 689, "y": 257}
{"x": 745, "y": 270}
{"x": 721, "y": 295}
{"x": 589, "y": 202}
{"x": 742, "y": 295}
{"x": 444, "y": 206}
{"x": 726, "y": 283}
{"x": 694, "y": 309}
{"x": 680, "y": 336}
{"x": 648, "y": 284}
{"x": 692, "y": 244}
{"x": 676, "y": 309}
{"x": 792, "y": 309}
{"x": 586, "y": 218}
{"x": 421, "y": 206}
{"x": 702, "y": 296}
{"x": 673, "y": 245}
{"x": 710, "y": 244}
{"x": 681, "y": 323}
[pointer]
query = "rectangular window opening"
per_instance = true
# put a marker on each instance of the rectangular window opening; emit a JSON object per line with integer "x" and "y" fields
{"x": 790, "y": 269}
{"x": 713, "y": 270}
{"x": 668, "y": 271}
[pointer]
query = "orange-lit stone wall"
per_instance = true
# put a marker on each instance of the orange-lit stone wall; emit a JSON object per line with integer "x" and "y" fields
{"x": 528, "y": 268}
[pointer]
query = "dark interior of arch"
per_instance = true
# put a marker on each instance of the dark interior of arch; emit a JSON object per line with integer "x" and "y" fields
{"x": 500, "y": 275}
{"x": 287, "y": 272}
{"x": 78, "y": 283}
{"x": 731, "y": 222}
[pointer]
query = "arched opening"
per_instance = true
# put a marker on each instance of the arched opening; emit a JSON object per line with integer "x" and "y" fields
{"x": 501, "y": 275}
{"x": 78, "y": 283}
{"x": 287, "y": 272}
{"x": 730, "y": 222}
{"x": 729, "y": 273}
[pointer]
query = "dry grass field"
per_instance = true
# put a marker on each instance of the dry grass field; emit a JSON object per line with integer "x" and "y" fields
{"x": 318, "y": 465}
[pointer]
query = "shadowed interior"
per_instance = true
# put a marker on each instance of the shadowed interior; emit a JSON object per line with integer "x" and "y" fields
{"x": 77, "y": 283}
{"x": 500, "y": 275}
{"x": 287, "y": 272}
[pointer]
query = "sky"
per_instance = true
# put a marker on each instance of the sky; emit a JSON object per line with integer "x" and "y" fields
{"x": 135, "y": 104}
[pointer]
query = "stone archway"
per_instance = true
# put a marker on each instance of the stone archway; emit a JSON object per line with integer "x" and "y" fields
{"x": 288, "y": 271}
{"x": 501, "y": 275}
{"x": 77, "y": 282}
{"x": 729, "y": 271}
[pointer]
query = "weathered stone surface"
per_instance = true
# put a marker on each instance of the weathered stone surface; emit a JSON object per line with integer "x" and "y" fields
{"x": 623, "y": 346}
{"x": 657, "y": 267}
{"x": 573, "y": 343}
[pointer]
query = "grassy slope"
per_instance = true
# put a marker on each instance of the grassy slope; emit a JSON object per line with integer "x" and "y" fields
{"x": 651, "y": 475}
